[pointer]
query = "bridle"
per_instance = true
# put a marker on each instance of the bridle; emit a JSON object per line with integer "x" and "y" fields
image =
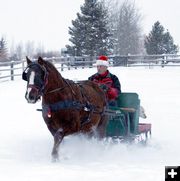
{"x": 36, "y": 88}
{"x": 40, "y": 90}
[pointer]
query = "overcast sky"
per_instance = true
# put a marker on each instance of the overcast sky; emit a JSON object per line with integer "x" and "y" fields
{"x": 47, "y": 21}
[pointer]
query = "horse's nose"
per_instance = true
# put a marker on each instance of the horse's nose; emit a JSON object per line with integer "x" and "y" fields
{"x": 30, "y": 97}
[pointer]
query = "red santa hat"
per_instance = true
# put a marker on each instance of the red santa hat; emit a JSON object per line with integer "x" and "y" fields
{"x": 102, "y": 60}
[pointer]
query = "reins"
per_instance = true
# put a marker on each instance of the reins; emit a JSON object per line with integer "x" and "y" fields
{"x": 57, "y": 89}
{"x": 62, "y": 88}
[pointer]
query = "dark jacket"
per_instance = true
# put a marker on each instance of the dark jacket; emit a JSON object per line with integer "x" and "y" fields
{"x": 110, "y": 82}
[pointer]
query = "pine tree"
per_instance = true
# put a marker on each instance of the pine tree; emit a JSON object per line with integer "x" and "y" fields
{"x": 89, "y": 34}
{"x": 160, "y": 42}
{"x": 169, "y": 46}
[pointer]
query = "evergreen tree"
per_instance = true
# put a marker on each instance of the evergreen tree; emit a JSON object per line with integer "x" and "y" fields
{"x": 169, "y": 46}
{"x": 160, "y": 42}
{"x": 89, "y": 34}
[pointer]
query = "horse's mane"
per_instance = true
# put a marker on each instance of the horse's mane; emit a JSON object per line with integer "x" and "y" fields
{"x": 51, "y": 68}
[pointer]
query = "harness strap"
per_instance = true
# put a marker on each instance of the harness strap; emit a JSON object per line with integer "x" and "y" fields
{"x": 47, "y": 109}
{"x": 55, "y": 90}
{"x": 67, "y": 104}
{"x": 69, "y": 86}
{"x": 72, "y": 104}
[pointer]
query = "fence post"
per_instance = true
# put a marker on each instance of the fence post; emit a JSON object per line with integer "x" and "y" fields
{"x": 68, "y": 66}
{"x": 22, "y": 65}
{"x": 163, "y": 61}
{"x": 62, "y": 66}
{"x": 12, "y": 70}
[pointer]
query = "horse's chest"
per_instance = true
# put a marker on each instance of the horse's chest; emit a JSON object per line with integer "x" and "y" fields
{"x": 61, "y": 119}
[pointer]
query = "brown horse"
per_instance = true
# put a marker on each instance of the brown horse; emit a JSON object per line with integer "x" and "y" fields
{"x": 67, "y": 107}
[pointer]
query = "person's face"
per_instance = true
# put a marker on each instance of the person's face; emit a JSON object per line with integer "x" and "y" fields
{"x": 101, "y": 69}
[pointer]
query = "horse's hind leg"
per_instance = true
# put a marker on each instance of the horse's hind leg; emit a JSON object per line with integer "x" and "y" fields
{"x": 58, "y": 136}
{"x": 101, "y": 129}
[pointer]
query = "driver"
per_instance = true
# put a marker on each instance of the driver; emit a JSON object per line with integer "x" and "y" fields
{"x": 106, "y": 80}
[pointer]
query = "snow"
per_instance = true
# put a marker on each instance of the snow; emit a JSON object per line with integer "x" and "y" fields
{"x": 26, "y": 143}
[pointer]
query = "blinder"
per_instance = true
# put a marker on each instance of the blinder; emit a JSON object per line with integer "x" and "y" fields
{"x": 24, "y": 74}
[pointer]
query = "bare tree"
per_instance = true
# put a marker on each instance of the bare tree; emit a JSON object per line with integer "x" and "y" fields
{"x": 12, "y": 49}
{"x": 40, "y": 49}
{"x": 3, "y": 49}
{"x": 125, "y": 22}
{"x": 29, "y": 48}
{"x": 19, "y": 51}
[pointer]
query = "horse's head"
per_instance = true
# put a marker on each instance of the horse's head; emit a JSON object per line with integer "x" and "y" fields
{"x": 36, "y": 76}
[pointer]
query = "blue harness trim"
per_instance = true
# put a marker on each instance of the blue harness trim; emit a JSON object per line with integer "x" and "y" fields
{"x": 67, "y": 104}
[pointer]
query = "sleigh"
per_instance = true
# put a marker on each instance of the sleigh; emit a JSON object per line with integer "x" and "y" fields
{"x": 124, "y": 121}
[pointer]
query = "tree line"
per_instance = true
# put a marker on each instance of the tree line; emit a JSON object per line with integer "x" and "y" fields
{"x": 114, "y": 27}
{"x": 19, "y": 51}
{"x": 109, "y": 27}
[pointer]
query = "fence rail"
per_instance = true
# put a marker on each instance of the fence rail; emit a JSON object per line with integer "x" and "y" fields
{"x": 12, "y": 69}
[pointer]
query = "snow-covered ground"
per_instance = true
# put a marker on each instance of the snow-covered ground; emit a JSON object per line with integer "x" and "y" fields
{"x": 25, "y": 149}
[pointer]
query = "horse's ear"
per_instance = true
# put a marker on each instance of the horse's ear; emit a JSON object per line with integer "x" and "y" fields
{"x": 28, "y": 60}
{"x": 40, "y": 61}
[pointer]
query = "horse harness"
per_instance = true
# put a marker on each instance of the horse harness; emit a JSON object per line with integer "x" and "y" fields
{"x": 47, "y": 109}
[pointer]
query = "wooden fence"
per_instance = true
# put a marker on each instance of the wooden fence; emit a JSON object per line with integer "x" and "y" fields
{"x": 9, "y": 70}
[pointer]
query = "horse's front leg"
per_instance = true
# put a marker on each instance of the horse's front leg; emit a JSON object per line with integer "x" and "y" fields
{"x": 58, "y": 136}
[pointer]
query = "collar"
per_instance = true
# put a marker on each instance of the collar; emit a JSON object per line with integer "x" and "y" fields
{"x": 103, "y": 74}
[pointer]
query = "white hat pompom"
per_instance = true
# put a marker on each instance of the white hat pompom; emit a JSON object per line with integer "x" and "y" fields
{"x": 102, "y": 60}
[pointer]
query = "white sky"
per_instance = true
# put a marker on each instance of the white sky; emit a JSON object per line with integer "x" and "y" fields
{"x": 165, "y": 11}
{"x": 42, "y": 21}
{"x": 47, "y": 21}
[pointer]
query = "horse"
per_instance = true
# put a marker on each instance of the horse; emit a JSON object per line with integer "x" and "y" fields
{"x": 67, "y": 107}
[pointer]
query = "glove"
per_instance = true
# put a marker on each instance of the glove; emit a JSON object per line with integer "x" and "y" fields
{"x": 104, "y": 87}
{"x": 112, "y": 93}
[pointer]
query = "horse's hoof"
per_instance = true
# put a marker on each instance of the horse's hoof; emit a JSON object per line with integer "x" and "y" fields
{"x": 55, "y": 158}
